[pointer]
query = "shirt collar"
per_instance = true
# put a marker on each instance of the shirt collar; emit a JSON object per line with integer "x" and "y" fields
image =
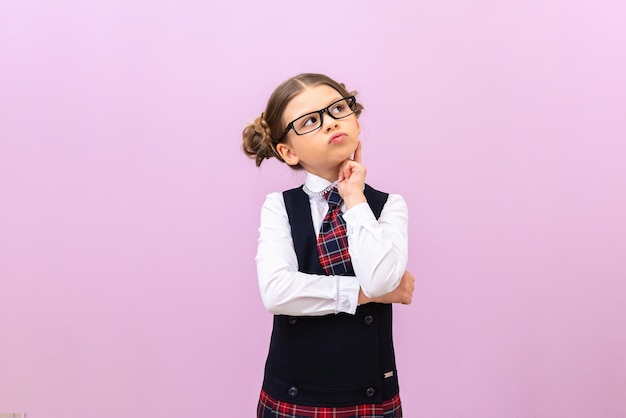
{"x": 316, "y": 183}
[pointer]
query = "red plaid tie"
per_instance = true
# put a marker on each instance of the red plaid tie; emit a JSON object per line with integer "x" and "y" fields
{"x": 332, "y": 242}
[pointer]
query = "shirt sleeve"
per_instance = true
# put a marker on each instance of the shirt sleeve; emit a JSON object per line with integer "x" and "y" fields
{"x": 378, "y": 248}
{"x": 284, "y": 289}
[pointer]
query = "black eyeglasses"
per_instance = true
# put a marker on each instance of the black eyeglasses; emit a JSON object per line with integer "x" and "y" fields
{"x": 305, "y": 124}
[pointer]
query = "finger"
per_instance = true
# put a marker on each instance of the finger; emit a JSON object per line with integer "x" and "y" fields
{"x": 344, "y": 171}
{"x": 343, "y": 174}
{"x": 346, "y": 168}
{"x": 357, "y": 153}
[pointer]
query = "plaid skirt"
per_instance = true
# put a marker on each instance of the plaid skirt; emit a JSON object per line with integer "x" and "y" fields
{"x": 272, "y": 408}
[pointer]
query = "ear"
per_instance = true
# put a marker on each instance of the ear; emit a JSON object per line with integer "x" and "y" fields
{"x": 358, "y": 125}
{"x": 287, "y": 154}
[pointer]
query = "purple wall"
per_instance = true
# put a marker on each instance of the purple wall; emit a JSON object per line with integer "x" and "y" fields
{"x": 502, "y": 124}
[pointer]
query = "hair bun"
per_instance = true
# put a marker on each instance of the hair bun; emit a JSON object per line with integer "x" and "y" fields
{"x": 261, "y": 126}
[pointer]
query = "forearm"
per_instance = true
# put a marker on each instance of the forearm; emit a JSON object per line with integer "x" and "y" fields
{"x": 378, "y": 248}
{"x": 289, "y": 292}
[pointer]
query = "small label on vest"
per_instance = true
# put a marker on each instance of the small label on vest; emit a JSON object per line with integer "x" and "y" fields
{"x": 388, "y": 375}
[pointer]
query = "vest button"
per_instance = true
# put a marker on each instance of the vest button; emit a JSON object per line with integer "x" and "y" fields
{"x": 293, "y": 391}
{"x": 370, "y": 392}
{"x": 369, "y": 319}
{"x": 293, "y": 321}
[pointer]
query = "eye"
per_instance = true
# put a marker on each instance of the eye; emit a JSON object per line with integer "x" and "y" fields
{"x": 306, "y": 121}
{"x": 338, "y": 108}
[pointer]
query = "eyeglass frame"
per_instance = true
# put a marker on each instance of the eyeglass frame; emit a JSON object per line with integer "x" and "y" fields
{"x": 351, "y": 102}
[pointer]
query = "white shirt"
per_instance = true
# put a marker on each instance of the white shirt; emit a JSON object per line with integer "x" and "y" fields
{"x": 378, "y": 251}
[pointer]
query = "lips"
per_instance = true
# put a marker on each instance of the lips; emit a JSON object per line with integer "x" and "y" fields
{"x": 337, "y": 138}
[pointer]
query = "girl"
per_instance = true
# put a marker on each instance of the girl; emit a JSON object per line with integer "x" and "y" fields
{"x": 331, "y": 260}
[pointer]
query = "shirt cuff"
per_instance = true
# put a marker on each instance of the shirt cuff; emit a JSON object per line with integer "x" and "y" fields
{"x": 358, "y": 215}
{"x": 347, "y": 294}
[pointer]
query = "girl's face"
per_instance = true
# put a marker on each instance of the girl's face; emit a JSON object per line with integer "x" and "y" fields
{"x": 322, "y": 151}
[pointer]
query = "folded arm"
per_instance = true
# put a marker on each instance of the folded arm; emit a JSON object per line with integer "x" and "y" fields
{"x": 284, "y": 289}
{"x": 378, "y": 249}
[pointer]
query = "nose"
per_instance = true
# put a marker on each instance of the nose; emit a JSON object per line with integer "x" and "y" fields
{"x": 328, "y": 122}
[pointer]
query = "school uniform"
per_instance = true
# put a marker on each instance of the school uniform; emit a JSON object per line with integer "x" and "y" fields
{"x": 327, "y": 355}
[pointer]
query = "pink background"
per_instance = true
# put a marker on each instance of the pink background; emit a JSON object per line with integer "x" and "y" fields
{"x": 126, "y": 290}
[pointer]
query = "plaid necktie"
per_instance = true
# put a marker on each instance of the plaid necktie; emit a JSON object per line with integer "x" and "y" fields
{"x": 332, "y": 242}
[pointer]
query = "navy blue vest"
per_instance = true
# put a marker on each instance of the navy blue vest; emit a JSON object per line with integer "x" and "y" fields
{"x": 331, "y": 360}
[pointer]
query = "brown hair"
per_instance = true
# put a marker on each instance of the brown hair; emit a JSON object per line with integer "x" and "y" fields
{"x": 261, "y": 137}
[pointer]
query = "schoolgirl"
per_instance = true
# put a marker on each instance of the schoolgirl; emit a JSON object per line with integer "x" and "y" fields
{"x": 331, "y": 260}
